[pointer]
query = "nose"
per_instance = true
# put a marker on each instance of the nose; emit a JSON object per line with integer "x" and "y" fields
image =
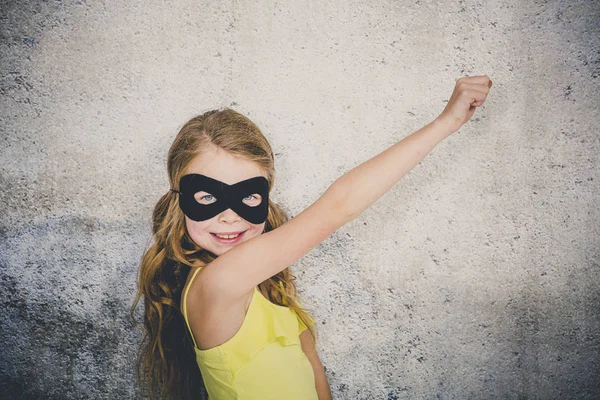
{"x": 229, "y": 216}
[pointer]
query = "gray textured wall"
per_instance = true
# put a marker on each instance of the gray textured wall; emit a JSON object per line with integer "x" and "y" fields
{"x": 477, "y": 276}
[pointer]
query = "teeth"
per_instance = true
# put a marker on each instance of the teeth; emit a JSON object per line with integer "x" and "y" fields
{"x": 227, "y": 236}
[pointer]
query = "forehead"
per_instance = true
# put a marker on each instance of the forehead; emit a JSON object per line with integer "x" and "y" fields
{"x": 225, "y": 167}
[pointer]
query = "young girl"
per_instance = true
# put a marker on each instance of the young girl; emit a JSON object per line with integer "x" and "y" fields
{"x": 221, "y": 313}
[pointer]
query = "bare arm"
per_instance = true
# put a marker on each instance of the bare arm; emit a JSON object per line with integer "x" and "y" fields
{"x": 321, "y": 384}
{"x": 366, "y": 183}
{"x": 237, "y": 271}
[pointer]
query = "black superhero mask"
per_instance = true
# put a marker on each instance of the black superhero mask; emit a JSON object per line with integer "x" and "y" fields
{"x": 227, "y": 196}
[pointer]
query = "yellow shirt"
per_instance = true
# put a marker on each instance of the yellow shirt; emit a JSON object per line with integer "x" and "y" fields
{"x": 263, "y": 360}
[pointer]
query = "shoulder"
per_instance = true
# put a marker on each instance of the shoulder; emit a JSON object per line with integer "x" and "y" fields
{"x": 195, "y": 297}
{"x": 198, "y": 292}
{"x": 212, "y": 320}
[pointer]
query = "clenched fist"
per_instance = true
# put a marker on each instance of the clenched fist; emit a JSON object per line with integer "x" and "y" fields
{"x": 469, "y": 93}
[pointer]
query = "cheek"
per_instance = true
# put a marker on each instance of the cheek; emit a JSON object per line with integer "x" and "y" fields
{"x": 196, "y": 228}
{"x": 254, "y": 230}
{"x": 259, "y": 228}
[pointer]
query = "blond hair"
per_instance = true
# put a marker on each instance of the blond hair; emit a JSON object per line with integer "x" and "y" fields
{"x": 166, "y": 358}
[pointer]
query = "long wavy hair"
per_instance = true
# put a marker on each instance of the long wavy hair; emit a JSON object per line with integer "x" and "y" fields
{"x": 166, "y": 365}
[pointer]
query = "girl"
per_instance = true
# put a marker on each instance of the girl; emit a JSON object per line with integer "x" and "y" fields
{"x": 221, "y": 314}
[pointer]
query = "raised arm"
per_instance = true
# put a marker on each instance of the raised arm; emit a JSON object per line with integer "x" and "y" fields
{"x": 237, "y": 271}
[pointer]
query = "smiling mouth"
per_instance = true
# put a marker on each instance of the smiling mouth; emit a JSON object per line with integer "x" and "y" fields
{"x": 230, "y": 236}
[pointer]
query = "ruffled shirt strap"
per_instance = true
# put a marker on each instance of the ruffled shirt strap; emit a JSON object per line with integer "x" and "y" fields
{"x": 184, "y": 301}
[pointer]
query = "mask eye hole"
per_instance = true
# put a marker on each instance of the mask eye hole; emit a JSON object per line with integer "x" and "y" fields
{"x": 252, "y": 200}
{"x": 204, "y": 198}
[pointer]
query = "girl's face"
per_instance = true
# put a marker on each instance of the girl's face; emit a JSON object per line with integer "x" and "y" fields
{"x": 229, "y": 169}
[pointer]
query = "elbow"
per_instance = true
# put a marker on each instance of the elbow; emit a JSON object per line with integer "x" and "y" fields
{"x": 347, "y": 201}
{"x": 341, "y": 205}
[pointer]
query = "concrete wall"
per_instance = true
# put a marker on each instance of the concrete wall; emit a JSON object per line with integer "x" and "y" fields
{"x": 477, "y": 276}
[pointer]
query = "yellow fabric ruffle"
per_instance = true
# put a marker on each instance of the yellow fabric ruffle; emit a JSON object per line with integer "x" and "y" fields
{"x": 264, "y": 359}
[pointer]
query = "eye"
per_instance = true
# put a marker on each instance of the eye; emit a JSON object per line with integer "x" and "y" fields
{"x": 253, "y": 199}
{"x": 204, "y": 198}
